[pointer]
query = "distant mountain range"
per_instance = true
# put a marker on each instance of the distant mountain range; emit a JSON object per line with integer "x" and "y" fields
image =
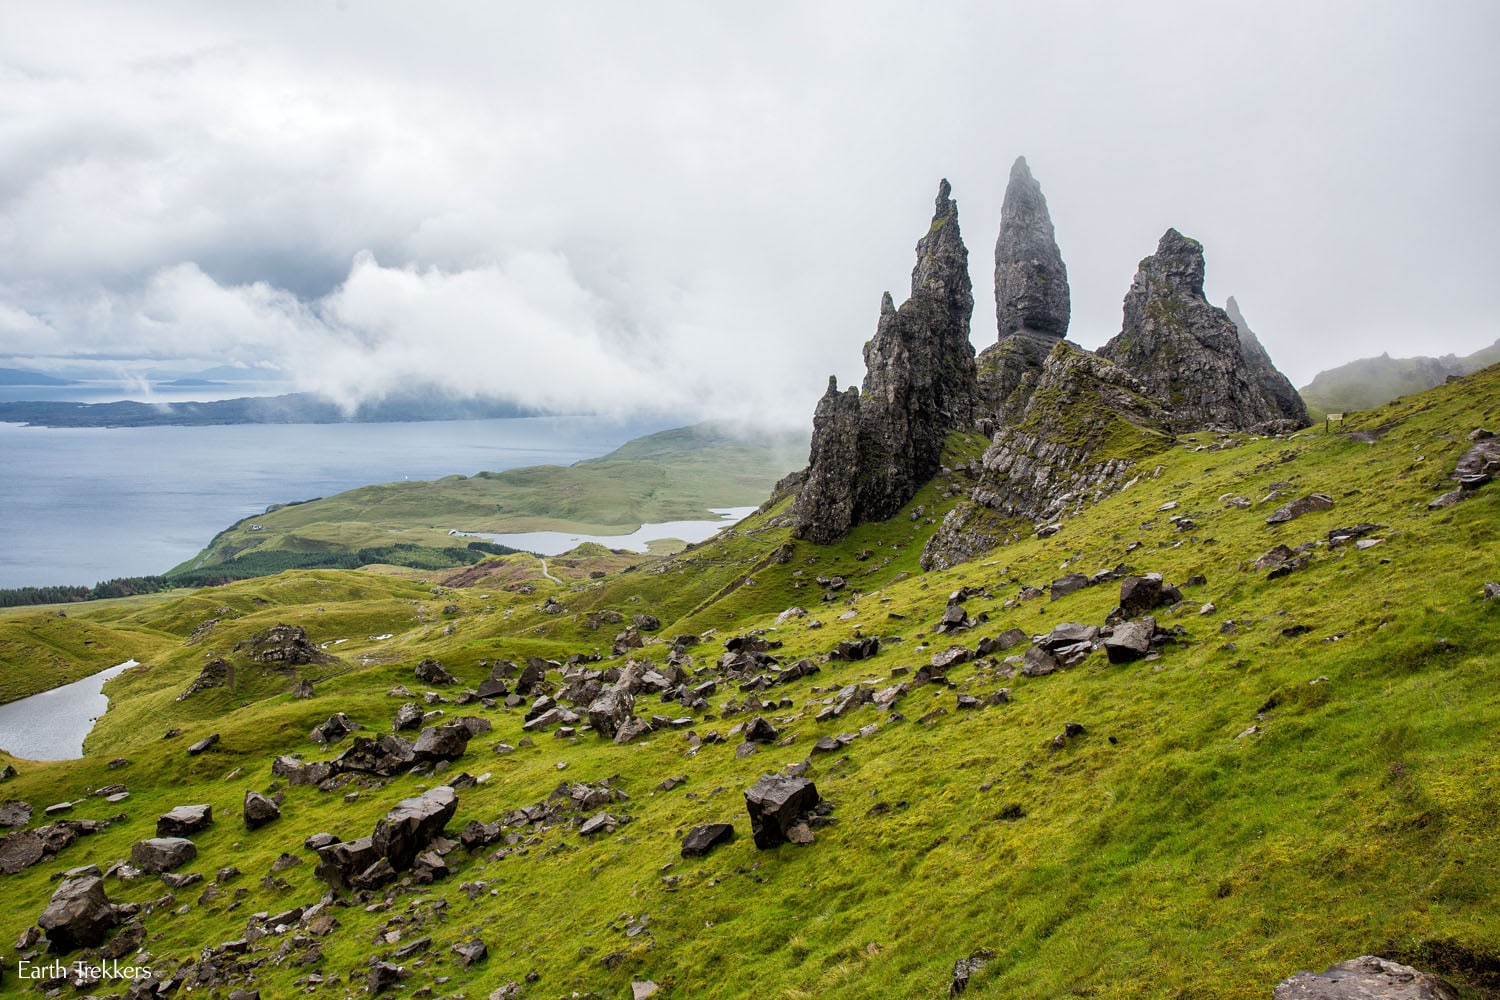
{"x": 292, "y": 408}
{"x": 1369, "y": 382}
{"x": 22, "y": 376}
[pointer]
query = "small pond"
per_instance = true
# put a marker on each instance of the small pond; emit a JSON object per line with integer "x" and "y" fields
{"x": 52, "y": 725}
{"x": 555, "y": 543}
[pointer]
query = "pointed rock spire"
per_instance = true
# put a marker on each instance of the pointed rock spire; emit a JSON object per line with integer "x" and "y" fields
{"x": 1031, "y": 280}
{"x": 872, "y": 450}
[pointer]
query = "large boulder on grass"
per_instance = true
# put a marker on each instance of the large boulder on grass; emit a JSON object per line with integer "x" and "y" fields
{"x": 162, "y": 854}
{"x": 405, "y": 831}
{"x": 79, "y": 915}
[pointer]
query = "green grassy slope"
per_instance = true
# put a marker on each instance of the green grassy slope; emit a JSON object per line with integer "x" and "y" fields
{"x": 1167, "y": 851}
{"x": 672, "y": 475}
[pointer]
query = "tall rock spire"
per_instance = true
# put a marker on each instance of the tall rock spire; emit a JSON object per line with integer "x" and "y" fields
{"x": 1031, "y": 280}
{"x": 919, "y": 385}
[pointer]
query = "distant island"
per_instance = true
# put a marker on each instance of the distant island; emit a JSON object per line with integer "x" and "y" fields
{"x": 291, "y": 408}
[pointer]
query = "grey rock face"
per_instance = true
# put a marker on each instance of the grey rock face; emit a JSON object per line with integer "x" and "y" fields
{"x": 1008, "y": 373}
{"x": 79, "y": 915}
{"x": 1365, "y": 978}
{"x": 1276, "y": 387}
{"x": 445, "y": 742}
{"x": 1186, "y": 352}
{"x": 1044, "y": 462}
{"x": 406, "y": 830}
{"x": 777, "y": 803}
{"x": 872, "y": 450}
{"x": 184, "y": 820}
{"x": 1031, "y": 280}
{"x": 162, "y": 854}
{"x": 702, "y": 839}
{"x": 259, "y": 810}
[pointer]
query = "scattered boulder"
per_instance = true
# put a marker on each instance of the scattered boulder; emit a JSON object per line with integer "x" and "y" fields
{"x": 408, "y": 716}
{"x": 1141, "y": 594}
{"x": 445, "y": 742}
{"x": 259, "y": 810}
{"x": 383, "y": 756}
{"x": 430, "y": 671}
{"x": 184, "y": 820}
{"x": 855, "y": 649}
{"x": 702, "y": 839}
{"x": 1492, "y": 591}
{"x": 627, "y": 640}
{"x": 646, "y": 623}
{"x": 14, "y": 812}
{"x": 336, "y": 728}
{"x": 470, "y": 953}
{"x": 1063, "y": 586}
{"x": 1037, "y": 662}
{"x": 611, "y": 709}
{"x": 1365, "y": 978}
{"x": 203, "y": 744}
{"x": 79, "y": 915}
{"x": 777, "y": 803}
{"x": 760, "y": 730}
{"x": 1130, "y": 640}
{"x": 1302, "y": 505}
{"x": 950, "y": 657}
{"x": 410, "y": 827}
{"x": 162, "y": 854}
{"x": 964, "y": 969}
{"x": 282, "y": 646}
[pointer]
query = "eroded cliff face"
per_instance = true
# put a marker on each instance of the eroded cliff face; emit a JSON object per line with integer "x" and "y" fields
{"x": 919, "y": 385}
{"x": 1075, "y": 441}
{"x": 1187, "y": 352}
{"x": 1067, "y": 425}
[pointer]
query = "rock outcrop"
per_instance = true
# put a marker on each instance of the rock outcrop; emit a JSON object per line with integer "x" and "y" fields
{"x": 1074, "y": 442}
{"x": 1365, "y": 978}
{"x": 1031, "y": 280}
{"x": 1186, "y": 352}
{"x": 1275, "y": 386}
{"x": 873, "y": 450}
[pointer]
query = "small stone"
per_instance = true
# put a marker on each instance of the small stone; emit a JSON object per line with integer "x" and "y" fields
{"x": 702, "y": 839}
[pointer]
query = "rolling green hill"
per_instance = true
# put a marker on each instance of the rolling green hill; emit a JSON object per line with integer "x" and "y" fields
{"x": 1306, "y": 769}
{"x": 1369, "y": 382}
{"x": 671, "y": 475}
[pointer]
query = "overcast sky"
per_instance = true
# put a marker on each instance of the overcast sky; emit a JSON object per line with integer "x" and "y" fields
{"x": 696, "y": 206}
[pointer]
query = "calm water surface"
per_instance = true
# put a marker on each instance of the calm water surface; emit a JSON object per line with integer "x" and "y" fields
{"x": 81, "y": 505}
{"x": 52, "y": 725}
{"x": 555, "y": 543}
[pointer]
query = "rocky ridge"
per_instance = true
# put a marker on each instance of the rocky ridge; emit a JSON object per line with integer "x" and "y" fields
{"x": 1066, "y": 424}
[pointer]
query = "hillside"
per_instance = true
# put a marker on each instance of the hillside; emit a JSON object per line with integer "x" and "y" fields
{"x": 1369, "y": 382}
{"x": 671, "y": 475}
{"x": 1302, "y": 770}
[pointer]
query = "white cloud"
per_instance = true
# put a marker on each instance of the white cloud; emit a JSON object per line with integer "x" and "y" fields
{"x": 695, "y": 206}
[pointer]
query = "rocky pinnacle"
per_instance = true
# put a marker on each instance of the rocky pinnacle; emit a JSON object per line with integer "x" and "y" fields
{"x": 1031, "y": 280}
{"x": 872, "y": 450}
